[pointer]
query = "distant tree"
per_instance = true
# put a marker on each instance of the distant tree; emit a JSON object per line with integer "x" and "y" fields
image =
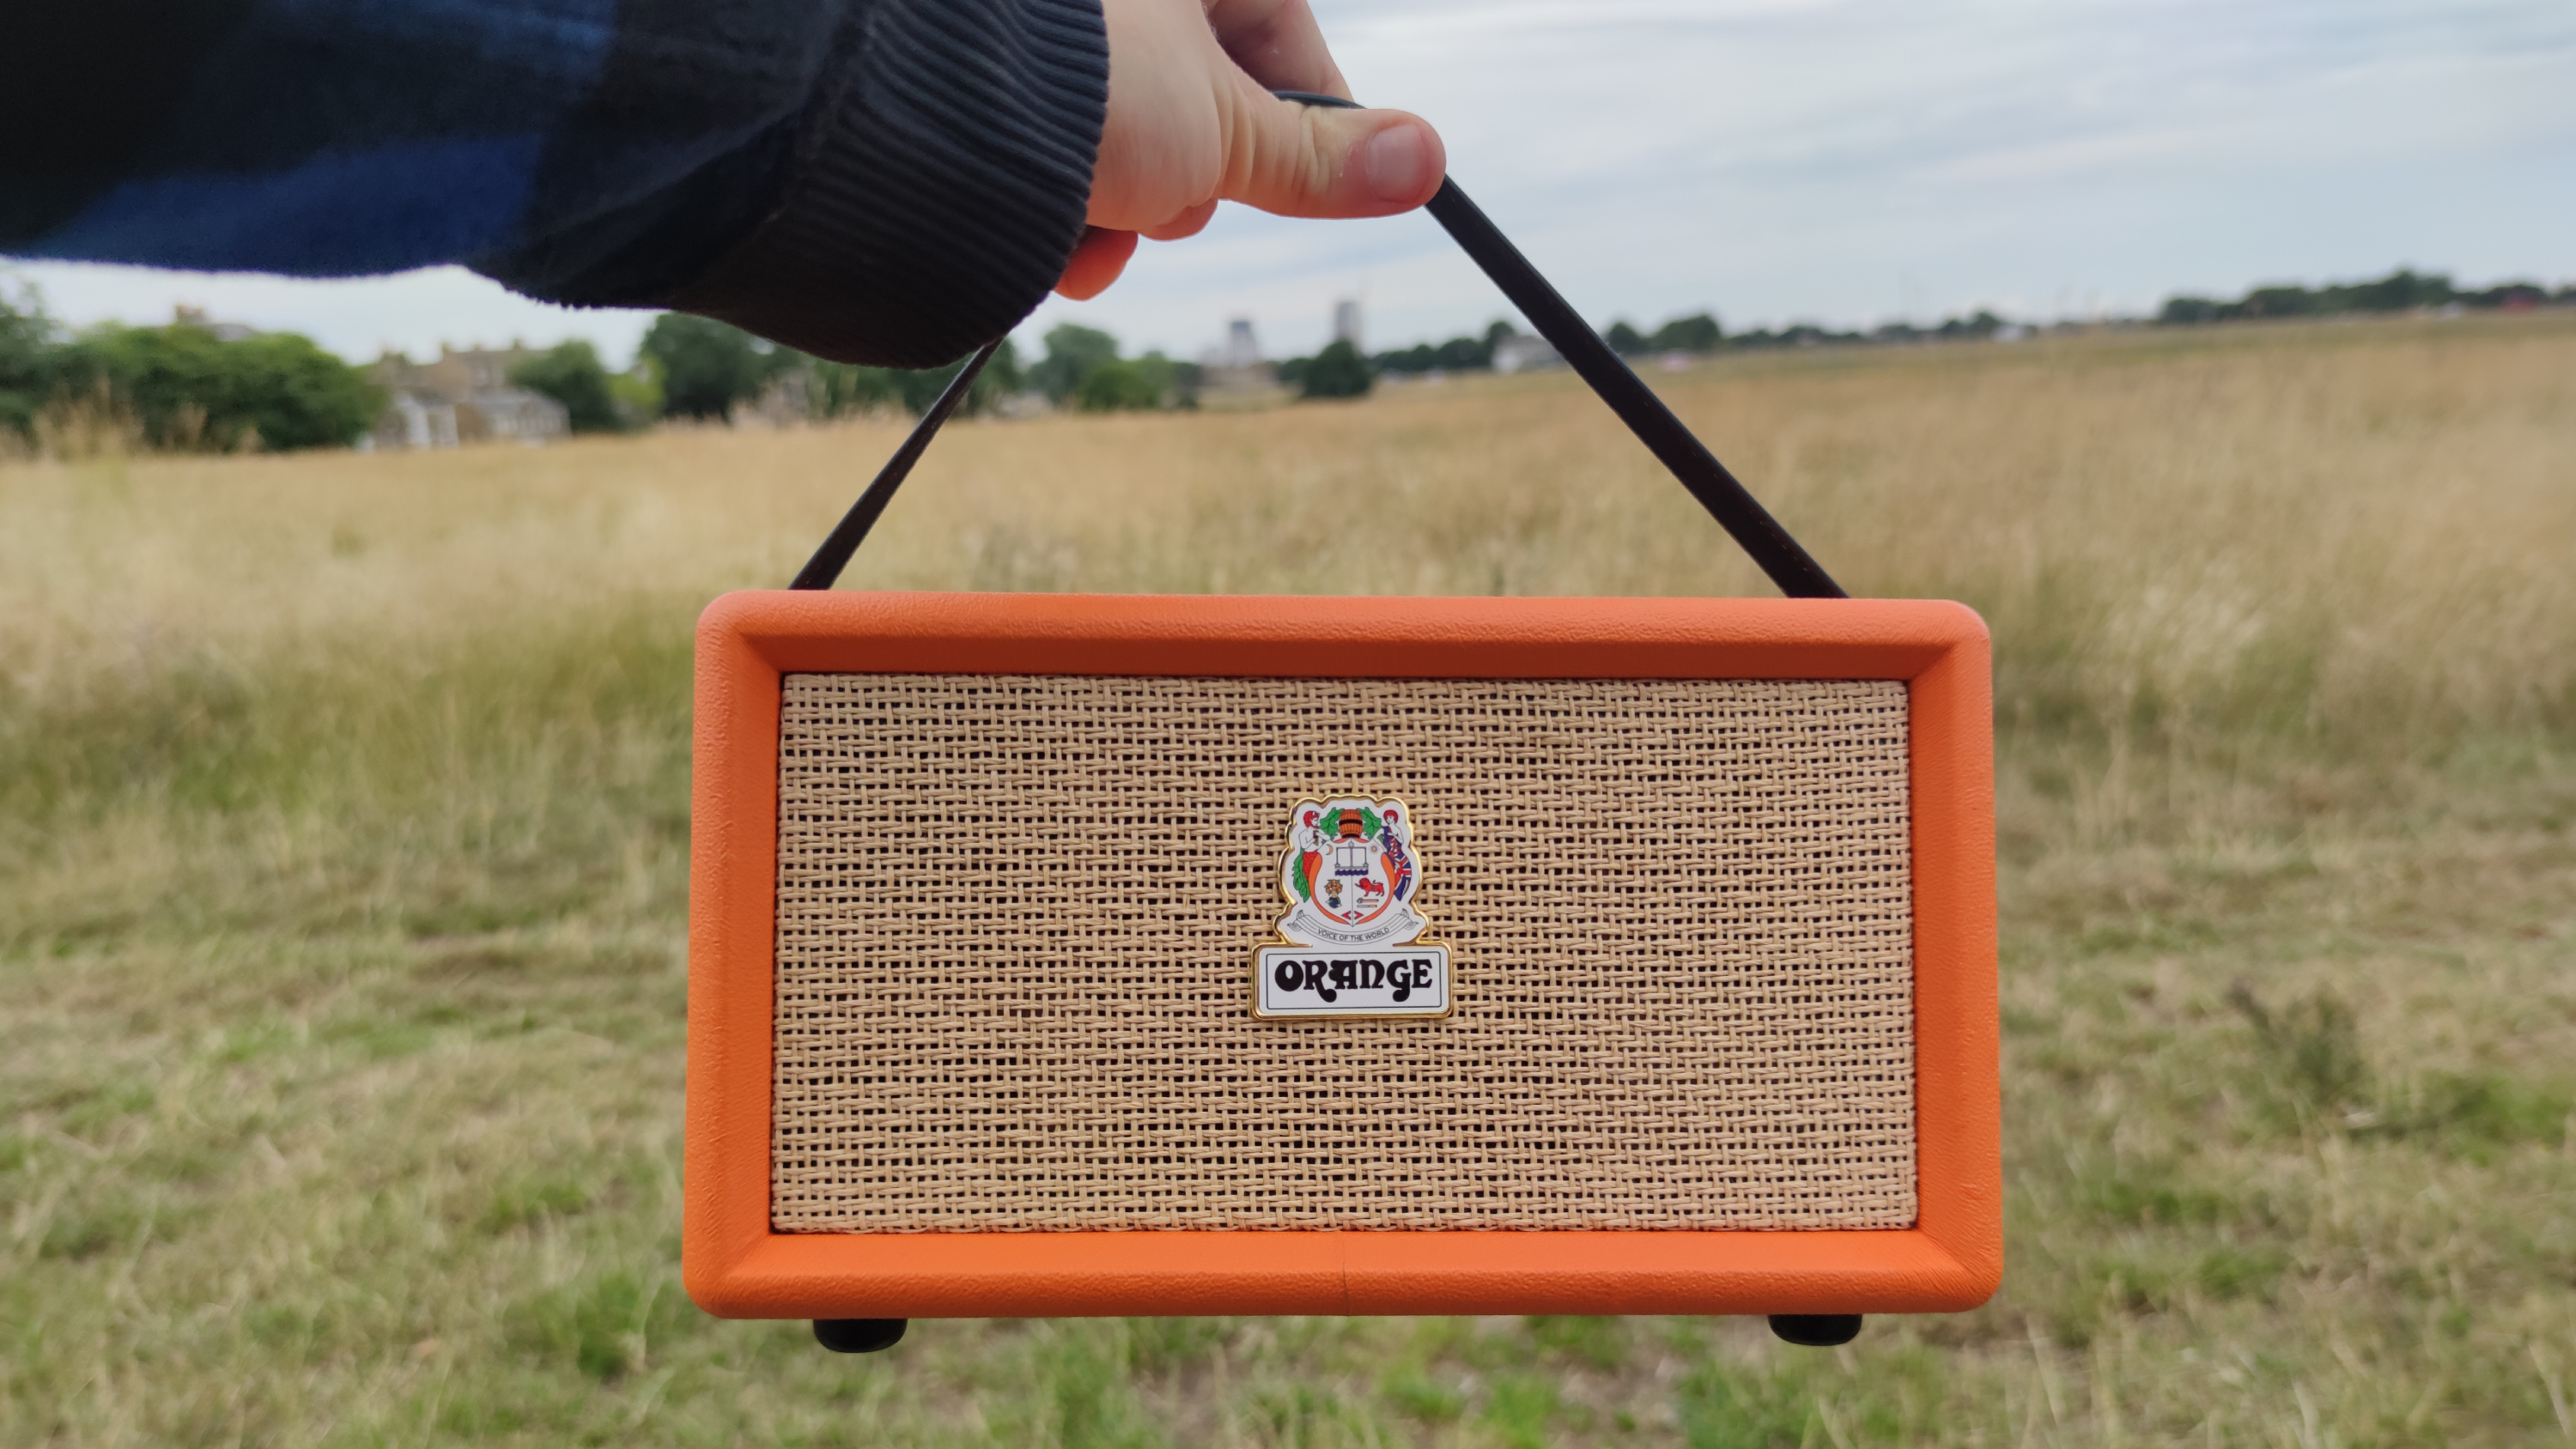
{"x": 1414, "y": 359}
{"x": 707, "y": 367}
{"x": 1337, "y": 371}
{"x": 2517, "y": 295}
{"x": 1072, "y": 351}
{"x": 837, "y": 388}
{"x": 919, "y": 387}
{"x": 1116, "y": 385}
{"x": 1698, "y": 332}
{"x": 1984, "y": 324}
{"x": 192, "y": 392}
{"x": 26, "y": 345}
{"x": 2401, "y": 290}
{"x": 1175, "y": 384}
{"x": 571, "y": 374}
{"x": 638, "y": 393}
{"x": 2282, "y": 301}
{"x": 1000, "y": 378}
{"x": 1464, "y": 354}
{"x": 1458, "y": 354}
{"x": 1797, "y": 334}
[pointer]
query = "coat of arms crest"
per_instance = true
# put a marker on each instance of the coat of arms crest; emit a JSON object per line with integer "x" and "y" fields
{"x": 1353, "y": 938}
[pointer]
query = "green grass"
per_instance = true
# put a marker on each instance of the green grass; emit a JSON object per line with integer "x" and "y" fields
{"x": 348, "y": 1103}
{"x": 341, "y": 995}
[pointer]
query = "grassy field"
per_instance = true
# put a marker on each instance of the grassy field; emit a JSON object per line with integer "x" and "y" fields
{"x": 343, "y": 823}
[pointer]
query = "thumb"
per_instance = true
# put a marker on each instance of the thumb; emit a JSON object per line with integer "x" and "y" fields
{"x": 1298, "y": 160}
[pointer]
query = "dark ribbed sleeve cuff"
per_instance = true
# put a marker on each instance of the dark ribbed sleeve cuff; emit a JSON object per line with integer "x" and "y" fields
{"x": 938, "y": 188}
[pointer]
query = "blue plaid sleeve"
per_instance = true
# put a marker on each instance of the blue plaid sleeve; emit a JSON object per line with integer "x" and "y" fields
{"x": 889, "y": 181}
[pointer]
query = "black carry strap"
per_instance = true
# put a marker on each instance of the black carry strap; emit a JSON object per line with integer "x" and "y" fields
{"x": 1717, "y": 490}
{"x": 825, "y": 566}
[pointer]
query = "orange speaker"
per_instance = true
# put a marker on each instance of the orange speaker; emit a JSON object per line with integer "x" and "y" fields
{"x": 1138, "y": 955}
{"x": 1133, "y": 955}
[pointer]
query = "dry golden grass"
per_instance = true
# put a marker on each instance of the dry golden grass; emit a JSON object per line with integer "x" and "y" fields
{"x": 342, "y": 820}
{"x": 2390, "y": 506}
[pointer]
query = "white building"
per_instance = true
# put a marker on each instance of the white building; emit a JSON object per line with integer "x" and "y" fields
{"x": 1242, "y": 349}
{"x": 1236, "y": 368}
{"x": 1519, "y": 353}
{"x": 519, "y": 415}
{"x": 463, "y": 397}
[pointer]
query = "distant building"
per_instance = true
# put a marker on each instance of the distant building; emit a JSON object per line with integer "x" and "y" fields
{"x": 411, "y": 424}
{"x": 1236, "y": 369}
{"x": 1520, "y": 353}
{"x": 1346, "y": 323}
{"x": 1242, "y": 349}
{"x": 514, "y": 414}
{"x": 461, "y": 372}
{"x": 463, "y": 397}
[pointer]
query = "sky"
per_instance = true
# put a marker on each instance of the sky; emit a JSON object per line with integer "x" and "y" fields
{"x": 1849, "y": 162}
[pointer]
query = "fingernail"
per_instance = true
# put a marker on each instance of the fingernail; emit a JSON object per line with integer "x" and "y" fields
{"x": 1397, "y": 163}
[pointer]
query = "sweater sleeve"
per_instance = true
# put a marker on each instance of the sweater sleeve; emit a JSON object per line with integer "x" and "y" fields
{"x": 885, "y": 181}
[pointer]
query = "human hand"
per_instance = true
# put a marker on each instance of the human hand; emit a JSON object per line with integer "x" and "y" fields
{"x": 1192, "y": 122}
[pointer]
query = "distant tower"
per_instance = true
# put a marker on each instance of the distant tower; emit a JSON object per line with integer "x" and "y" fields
{"x": 1241, "y": 348}
{"x": 1346, "y": 323}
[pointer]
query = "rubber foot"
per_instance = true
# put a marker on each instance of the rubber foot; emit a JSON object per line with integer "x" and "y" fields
{"x": 1816, "y": 1330}
{"x": 859, "y": 1335}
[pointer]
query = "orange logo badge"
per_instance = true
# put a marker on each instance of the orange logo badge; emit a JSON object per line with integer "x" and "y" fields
{"x": 1352, "y": 939}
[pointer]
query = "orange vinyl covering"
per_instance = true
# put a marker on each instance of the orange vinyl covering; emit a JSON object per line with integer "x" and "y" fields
{"x": 736, "y": 1266}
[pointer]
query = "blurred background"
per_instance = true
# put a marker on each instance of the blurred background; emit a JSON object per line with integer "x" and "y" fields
{"x": 2222, "y": 356}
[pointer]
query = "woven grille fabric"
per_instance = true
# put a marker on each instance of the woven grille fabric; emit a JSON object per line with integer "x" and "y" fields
{"x": 1016, "y": 917}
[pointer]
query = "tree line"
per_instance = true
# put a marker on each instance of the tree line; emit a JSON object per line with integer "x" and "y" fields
{"x": 2403, "y": 290}
{"x": 1340, "y": 371}
{"x": 1696, "y": 333}
{"x": 178, "y": 387}
{"x": 184, "y": 387}
{"x": 707, "y": 370}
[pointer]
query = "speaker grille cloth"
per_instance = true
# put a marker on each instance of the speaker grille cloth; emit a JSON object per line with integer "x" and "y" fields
{"x": 1016, "y": 917}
